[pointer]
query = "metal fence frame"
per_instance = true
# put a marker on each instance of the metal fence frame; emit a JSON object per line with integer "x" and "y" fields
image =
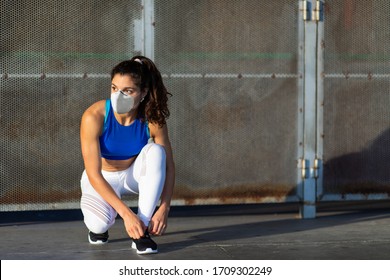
{"x": 310, "y": 78}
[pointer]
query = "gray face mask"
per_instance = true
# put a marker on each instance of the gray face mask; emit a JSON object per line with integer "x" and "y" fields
{"x": 121, "y": 103}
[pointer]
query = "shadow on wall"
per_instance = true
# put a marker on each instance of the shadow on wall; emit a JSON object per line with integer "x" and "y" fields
{"x": 365, "y": 172}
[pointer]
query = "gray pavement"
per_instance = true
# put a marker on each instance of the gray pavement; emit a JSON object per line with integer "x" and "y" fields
{"x": 351, "y": 231}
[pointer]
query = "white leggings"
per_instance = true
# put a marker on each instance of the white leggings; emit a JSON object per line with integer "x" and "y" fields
{"x": 145, "y": 177}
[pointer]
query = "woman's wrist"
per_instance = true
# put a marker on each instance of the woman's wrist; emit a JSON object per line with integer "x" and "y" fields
{"x": 126, "y": 212}
{"x": 165, "y": 206}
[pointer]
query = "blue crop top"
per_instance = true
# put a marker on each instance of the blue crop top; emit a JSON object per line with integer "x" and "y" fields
{"x": 119, "y": 142}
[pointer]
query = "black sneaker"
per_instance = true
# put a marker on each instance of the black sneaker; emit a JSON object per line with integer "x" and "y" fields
{"x": 145, "y": 245}
{"x": 98, "y": 238}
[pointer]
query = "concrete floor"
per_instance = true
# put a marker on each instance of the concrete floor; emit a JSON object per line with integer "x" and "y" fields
{"x": 342, "y": 231}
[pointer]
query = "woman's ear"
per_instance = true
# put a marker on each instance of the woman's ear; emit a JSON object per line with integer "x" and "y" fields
{"x": 144, "y": 93}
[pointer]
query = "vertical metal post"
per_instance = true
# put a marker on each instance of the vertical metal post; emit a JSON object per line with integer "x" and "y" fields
{"x": 300, "y": 82}
{"x": 308, "y": 208}
{"x": 320, "y": 100}
{"x": 148, "y": 27}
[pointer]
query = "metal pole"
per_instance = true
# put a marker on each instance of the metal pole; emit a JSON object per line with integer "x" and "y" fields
{"x": 308, "y": 208}
{"x": 320, "y": 104}
{"x": 149, "y": 25}
{"x": 300, "y": 83}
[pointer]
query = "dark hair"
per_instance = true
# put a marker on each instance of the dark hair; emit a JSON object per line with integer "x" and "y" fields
{"x": 146, "y": 76}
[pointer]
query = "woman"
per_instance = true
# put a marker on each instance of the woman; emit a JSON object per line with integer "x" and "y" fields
{"x": 119, "y": 158}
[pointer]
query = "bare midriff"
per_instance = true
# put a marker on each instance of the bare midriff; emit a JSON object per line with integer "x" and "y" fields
{"x": 116, "y": 165}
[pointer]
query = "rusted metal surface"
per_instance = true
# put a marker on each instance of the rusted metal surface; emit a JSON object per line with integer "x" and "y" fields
{"x": 232, "y": 194}
{"x": 35, "y": 195}
{"x": 364, "y": 188}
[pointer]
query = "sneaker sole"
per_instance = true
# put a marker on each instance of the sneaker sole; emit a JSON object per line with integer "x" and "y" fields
{"x": 99, "y": 242}
{"x": 146, "y": 252}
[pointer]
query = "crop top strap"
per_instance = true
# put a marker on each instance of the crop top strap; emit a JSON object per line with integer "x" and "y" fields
{"x": 147, "y": 129}
{"x": 108, "y": 105}
{"x": 107, "y": 112}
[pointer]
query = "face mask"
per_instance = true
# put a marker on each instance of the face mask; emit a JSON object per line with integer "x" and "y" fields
{"x": 121, "y": 103}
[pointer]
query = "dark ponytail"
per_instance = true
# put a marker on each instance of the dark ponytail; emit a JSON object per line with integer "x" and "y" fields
{"x": 155, "y": 105}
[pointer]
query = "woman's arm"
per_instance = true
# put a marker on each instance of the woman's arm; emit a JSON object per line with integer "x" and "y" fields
{"x": 158, "y": 223}
{"x": 91, "y": 125}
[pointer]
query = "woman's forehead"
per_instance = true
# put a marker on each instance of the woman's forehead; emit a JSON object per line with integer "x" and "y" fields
{"x": 123, "y": 80}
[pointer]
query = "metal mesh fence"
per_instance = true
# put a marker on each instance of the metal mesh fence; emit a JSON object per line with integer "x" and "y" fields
{"x": 55, "y": 59}
{"x": 232, "y": 69}
{"x": 357, "y": 98}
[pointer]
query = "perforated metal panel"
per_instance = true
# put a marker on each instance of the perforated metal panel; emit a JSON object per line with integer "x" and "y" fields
{"x": 230, "y": 65}
{"x": 236, "y": 111}
{"x": 232, "y": 69}
{"x": 357, "y": 99}
{"x": 55, "y": 60}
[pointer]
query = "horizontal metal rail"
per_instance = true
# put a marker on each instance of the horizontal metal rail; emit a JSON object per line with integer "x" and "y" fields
{"x": 369, "y": 76}
{"x": 51, "y": 75}
{"x": 230, "y": 75}
{"x": 132, "y": 202}
{"x": 347, "y": 75}
{"x": 169, "y": 76}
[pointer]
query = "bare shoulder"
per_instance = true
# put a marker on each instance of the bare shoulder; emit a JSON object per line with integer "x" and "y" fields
{"x": 93, "y": 118}
{"x": 96, "y": 108}
{"x": 95, "y": 112}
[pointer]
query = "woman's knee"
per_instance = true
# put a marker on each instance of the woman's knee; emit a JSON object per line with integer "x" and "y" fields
{"x": 98, "y": 216}
{"x": 156, "y": 151}
{"x": 95, "y": 225}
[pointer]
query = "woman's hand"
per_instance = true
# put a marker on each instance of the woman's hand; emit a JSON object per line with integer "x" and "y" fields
{"x": 158, "y": 224}
{"x": 135, "y": 228}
